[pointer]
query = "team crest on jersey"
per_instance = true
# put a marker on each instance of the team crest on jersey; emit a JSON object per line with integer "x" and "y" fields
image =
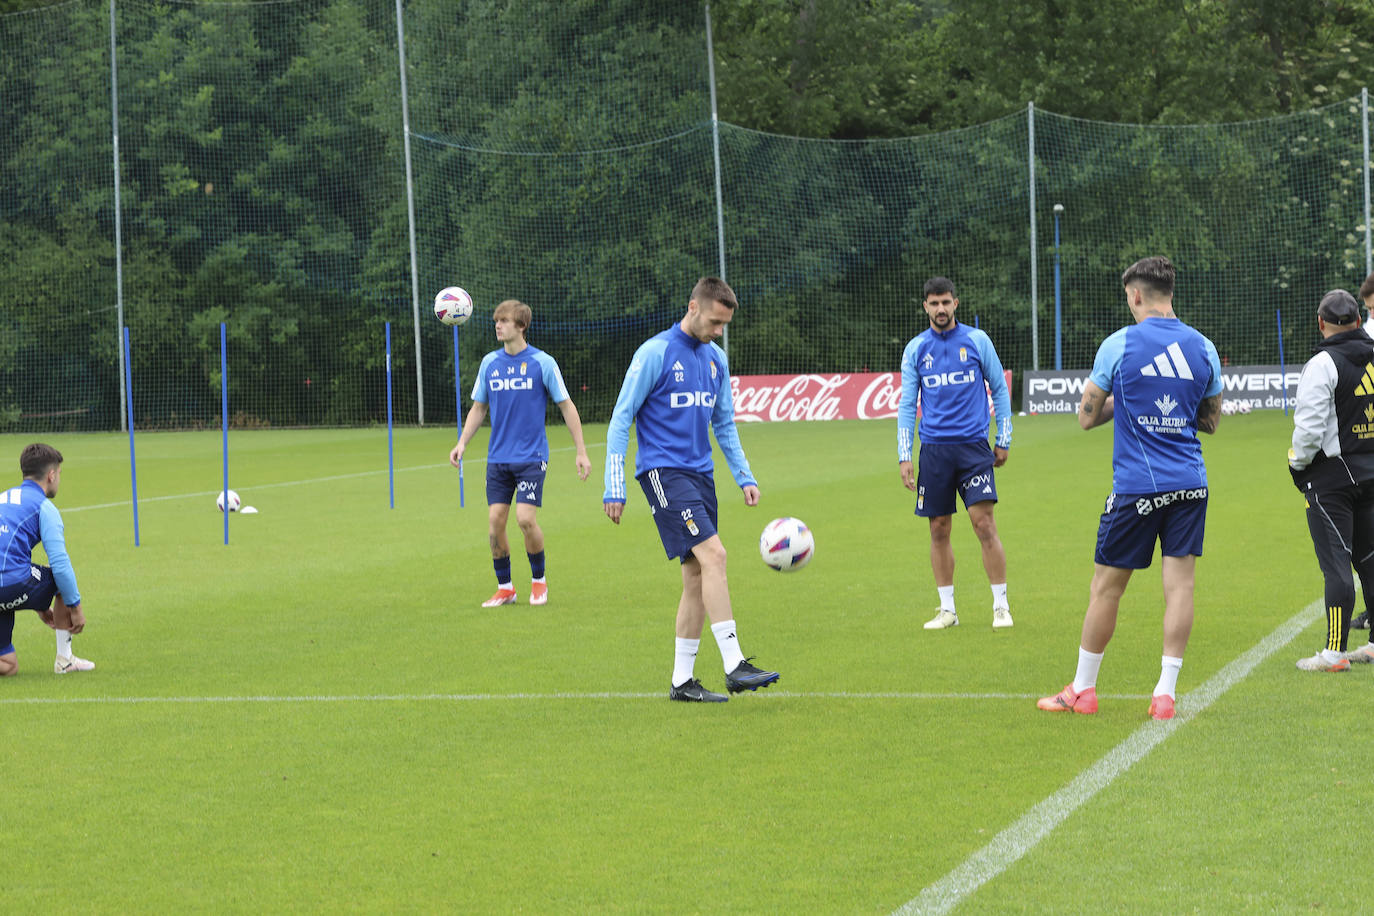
{"x": 522, "y": 367}
{"x": 713, "y": 368}
{"x": 963, "y": 354}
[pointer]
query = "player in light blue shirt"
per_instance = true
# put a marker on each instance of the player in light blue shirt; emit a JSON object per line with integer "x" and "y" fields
{"x": 1160, "y": 381}
{"x": 676, "y": 393}
{"x": 514, "y": 383}
{"x": 949, "y": 370}
{"x": 28, "y": 517}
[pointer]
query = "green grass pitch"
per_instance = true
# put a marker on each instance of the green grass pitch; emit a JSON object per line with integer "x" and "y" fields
{"x": 320, "y": 717}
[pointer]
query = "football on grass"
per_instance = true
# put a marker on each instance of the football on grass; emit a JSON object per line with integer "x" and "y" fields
{"x": 786, "y": 544}
{"x": 233, "y": 504}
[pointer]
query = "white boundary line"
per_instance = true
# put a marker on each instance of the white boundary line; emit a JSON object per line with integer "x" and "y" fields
{"x": 475, "y": 697}
{"x": 1014, "y": 842}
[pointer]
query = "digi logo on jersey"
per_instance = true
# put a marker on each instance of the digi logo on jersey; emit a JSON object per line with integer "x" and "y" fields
{"x": 511, "y": 384}
{"x": 678, "y": 399}
{"x": 942, "y": 379}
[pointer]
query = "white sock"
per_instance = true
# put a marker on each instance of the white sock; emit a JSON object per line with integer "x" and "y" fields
{"x": 684, "y": 660}
{"x": 946, "y": 598}
{"x": 999, "y": 596}
{"x": 730, "y": 654}
{"x": 1168, "y": 675}
{"x": 540, "y": 580}
{"x": 1088, "y": 663}
{"x": 64, "y": 643}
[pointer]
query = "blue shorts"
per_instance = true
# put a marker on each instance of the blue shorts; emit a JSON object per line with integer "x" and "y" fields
{"x": 33, "y": 594}
{"x": 521, "y": 483}
{"x": 683, "y": 504}
{"x": 1131, "y": 524}
{"x": 965, "y": 467}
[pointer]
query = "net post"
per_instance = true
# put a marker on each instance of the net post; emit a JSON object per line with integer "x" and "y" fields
{"x": 715, "y": 147}
{"x": 410, "y": 211}
{"x": 1034, "y": 266}
{"x": 119, "y": 248}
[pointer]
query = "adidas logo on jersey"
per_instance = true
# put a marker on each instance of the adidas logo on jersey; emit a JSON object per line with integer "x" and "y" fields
{"x": 1366, "y": 386}
{"x": 677, "y": 366}
{"x": 1168, "y": 364}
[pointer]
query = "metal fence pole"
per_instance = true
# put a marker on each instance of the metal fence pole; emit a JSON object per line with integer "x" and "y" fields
{"x": 1364, "y": 170}
{"x": 715, "y": 145}
{"x": 125, "y": 409}
{"x": 410, "y": 209}
{"x": 1034, "y": 263}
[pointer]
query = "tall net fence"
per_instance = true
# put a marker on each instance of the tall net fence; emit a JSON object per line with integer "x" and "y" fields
{"x": 563, "y": 154}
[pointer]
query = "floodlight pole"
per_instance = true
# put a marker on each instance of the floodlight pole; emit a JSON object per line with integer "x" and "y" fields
{"x": 410, "y": 209}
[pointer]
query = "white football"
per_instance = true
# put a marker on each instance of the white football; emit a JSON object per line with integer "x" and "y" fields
{"x": 234, "y": 501}
{"x": 787, "y": 544}
{"x": 453, "y": 305}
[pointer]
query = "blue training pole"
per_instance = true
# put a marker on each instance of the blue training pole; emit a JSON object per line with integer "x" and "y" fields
{"x": 1278, "y": 317}
{"x": 390, "y": 450}
{"x": 1058, "y": 321}
{"x": 129, "y": 404}
{"x": 224, "y": 422}
{"x": 458, "y": 401}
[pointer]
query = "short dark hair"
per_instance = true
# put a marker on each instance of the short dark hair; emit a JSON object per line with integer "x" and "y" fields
{"x": 1367, "y": 287}
{"x": 1155, "y": 273}
{"x": 714, "y": 289}
{"x": 37, "y": 459}
{"x": 938, "y": 286}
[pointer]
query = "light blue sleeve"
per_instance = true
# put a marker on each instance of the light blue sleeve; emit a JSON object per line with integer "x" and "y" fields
{"x": 553, "y": 378}
{"x": 50, "y": 530}
{"x": 906, "y": 408}
{"x": 1108, "y": 361}
{"x": 723, "y": 424}
{"x": 1213, "y": 387}
{"x": 997, "y": 387}
{"x": 479, "y": 384}
{"x": 640, "y": 379}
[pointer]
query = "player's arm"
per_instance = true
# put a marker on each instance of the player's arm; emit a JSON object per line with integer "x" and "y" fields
{"x": 1209, "y": 414}
{"x": 67, "y": 612}
{"x": 640, "y": 379}
{"x": 1315, "y": 402}
{"x": 727, "y": 435}
{"x": 476, "y": 414}
{"x": 1096, "y": 407}
{"x": 1001, "y": 398}
{"x": 573, "y": 421}
{"x": 906, "y": 416}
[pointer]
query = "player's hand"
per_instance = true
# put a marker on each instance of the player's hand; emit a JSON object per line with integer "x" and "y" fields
{"x": 613, "y": 511}
{"x": 78, "y": 619}
{"x": 751, "y": 495}
{"x": 999, "y": 456}
{"x": 584, "y": 466}
{"x": 908, "y": 475}
{"x": 456, "y": 455}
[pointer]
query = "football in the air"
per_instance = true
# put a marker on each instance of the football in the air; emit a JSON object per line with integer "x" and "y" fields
{"x": 453, "y": 305}
{"x": 787, "y": 544}
{"x": 234, "y": 501}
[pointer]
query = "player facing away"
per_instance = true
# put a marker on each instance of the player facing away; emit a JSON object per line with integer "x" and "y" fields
{"x": 514, "y": 383}
{"x": 27, "y": 517}
{"x": 677, "y": 392}
{"x": 1332, "y": 463}
{"x": 1161, "y": 380}
{"x": 948, "y": 370}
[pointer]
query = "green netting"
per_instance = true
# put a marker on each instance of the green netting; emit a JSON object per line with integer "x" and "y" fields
{"x": 563, "y": 154}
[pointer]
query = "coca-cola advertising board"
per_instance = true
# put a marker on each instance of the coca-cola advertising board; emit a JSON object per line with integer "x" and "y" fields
{"x": 818, "y": 396}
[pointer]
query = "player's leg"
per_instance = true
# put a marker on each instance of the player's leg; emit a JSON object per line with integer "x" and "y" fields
{"x": 64, "y": 623}
{"x": 528, "y": 498}
{"x": 1331, "y": 523}
{"x": 501, "y": 483}
{"x": 9, "y": 659}
{"x": 984, "y": 523}
{"x": 691, "y": 617}
{"x": 936, "y": 479}
{"x": 1181, "y": 529}
{"x": 1364, "y": 567}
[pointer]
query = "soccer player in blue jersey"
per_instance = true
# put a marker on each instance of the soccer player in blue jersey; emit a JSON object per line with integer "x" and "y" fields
{"x": 676, "y": 392}
{"x": 27, "y": 517}
{"x": 949, "y": 370}
{"x": 1161, "y": 382}
{"x": 515, "y": 382}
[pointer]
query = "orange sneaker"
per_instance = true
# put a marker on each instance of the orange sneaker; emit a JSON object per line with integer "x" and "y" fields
{"x": 1162, "y": 706}
{"x": 539, "y": 593}
{"x": 1068, "y": 701}
{"x": 502, "y": 596}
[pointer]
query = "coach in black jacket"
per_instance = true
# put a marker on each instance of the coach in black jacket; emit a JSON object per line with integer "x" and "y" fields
{"x": 1332, "y": 463}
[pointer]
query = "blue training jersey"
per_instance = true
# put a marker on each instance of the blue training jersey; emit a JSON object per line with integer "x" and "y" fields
{"x": 1158, "y": 372}
{"x": 515, "y": 390}
{"x": 27, "y": 517}
{"x": 676, "y": 392}
{"x": 950, "y": 374}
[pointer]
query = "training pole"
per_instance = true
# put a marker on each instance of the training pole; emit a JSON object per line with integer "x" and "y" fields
{"x": 1283, "y": 374}
{"x": 390, "y": 449}
{"x": 224, "y": 423}
{"x": 458, "y": 402}
{"x": 129, "y": 410}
